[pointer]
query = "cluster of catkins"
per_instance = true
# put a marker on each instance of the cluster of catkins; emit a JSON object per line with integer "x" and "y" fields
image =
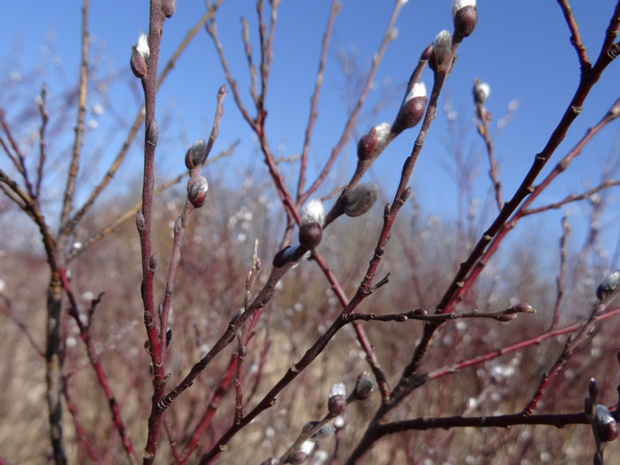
{"x": 315, "y": 431}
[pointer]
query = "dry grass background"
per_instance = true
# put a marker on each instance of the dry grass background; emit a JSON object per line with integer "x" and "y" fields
{"x": 211, "y": 287}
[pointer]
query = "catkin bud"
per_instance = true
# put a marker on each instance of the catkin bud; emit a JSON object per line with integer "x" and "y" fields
{"x": 441, "y": 49}
{"x": 140, "y": 57}
{"x": 364, "y": 386}
{"x": 197, "y": 154}
{"x": 311, "y": 224}
{"x": 336, "y": 400}
{"x": 198, "y": 192}
{"x": 412, "y": 110}
{"x": 609, "y": 284}
{"x": 605, "y": 424}
{"x": 366, "y": 144}
{"x": 300, "y": 455}
{"x": 374, "y": 141}
{"x": 481, "y": 92}
{"x": 465, "y": 17}
{"x": 313, "y": 212}
{"x": 360, "y": 199}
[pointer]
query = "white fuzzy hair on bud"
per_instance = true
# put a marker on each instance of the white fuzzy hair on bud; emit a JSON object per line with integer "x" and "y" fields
{"x": 418, "y": 90}
{"x": 442, "y": 44}
{"x": 458, "y": 4}
{"x": 484, "y": 89}
{"x": 313, "y": 212}
{"x": 143, "y": 46}
{"x": 383, "y": 131}
{"x": 338, "y": 389}
{"x": 307, "y": 447}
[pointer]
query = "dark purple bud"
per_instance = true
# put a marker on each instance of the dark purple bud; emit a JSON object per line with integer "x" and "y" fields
{"x": 198, "y": 192}
{"x": 168, "y": 337}
{"x": 364, "y": 386}
{"x": 310, "y": 235}
{"x": 336, "y": 401}
{"x": 465, "y": 16}
{"x": 426, "y": 54}
{"x": 168, "y": 7}
{"x": 360, "y": 199}
{"x": 367, "y": 144}
{"x": 197, "y": 154}
{"x": 279, "y": 258}
{"x": 309, "y": 426}
{"x": 153, "y": 262}
{"x": 597, "y": 459}
{"x": 412, "y": 112}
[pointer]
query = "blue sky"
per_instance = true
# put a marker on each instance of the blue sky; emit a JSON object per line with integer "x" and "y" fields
{"x": 521, "y": 49}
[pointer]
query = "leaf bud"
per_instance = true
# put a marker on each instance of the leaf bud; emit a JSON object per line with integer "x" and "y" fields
{"x": 140, "y": 224}
{"x": 153, "y": 262}
{"x": 152, "y": 133}
{"x": 593, "y": 388}
{"x": 198, "y": 192}
{"x": 360, "y": 199}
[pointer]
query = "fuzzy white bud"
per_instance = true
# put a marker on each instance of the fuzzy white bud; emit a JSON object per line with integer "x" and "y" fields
{"x": 338, "y": 389}
{"x": 609, "y": 285}
{"x": 442, "y": 45}
{"x": 307, "y": 447}
{"x": 481, "y": 92}
{"x": 313, "y": 212}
